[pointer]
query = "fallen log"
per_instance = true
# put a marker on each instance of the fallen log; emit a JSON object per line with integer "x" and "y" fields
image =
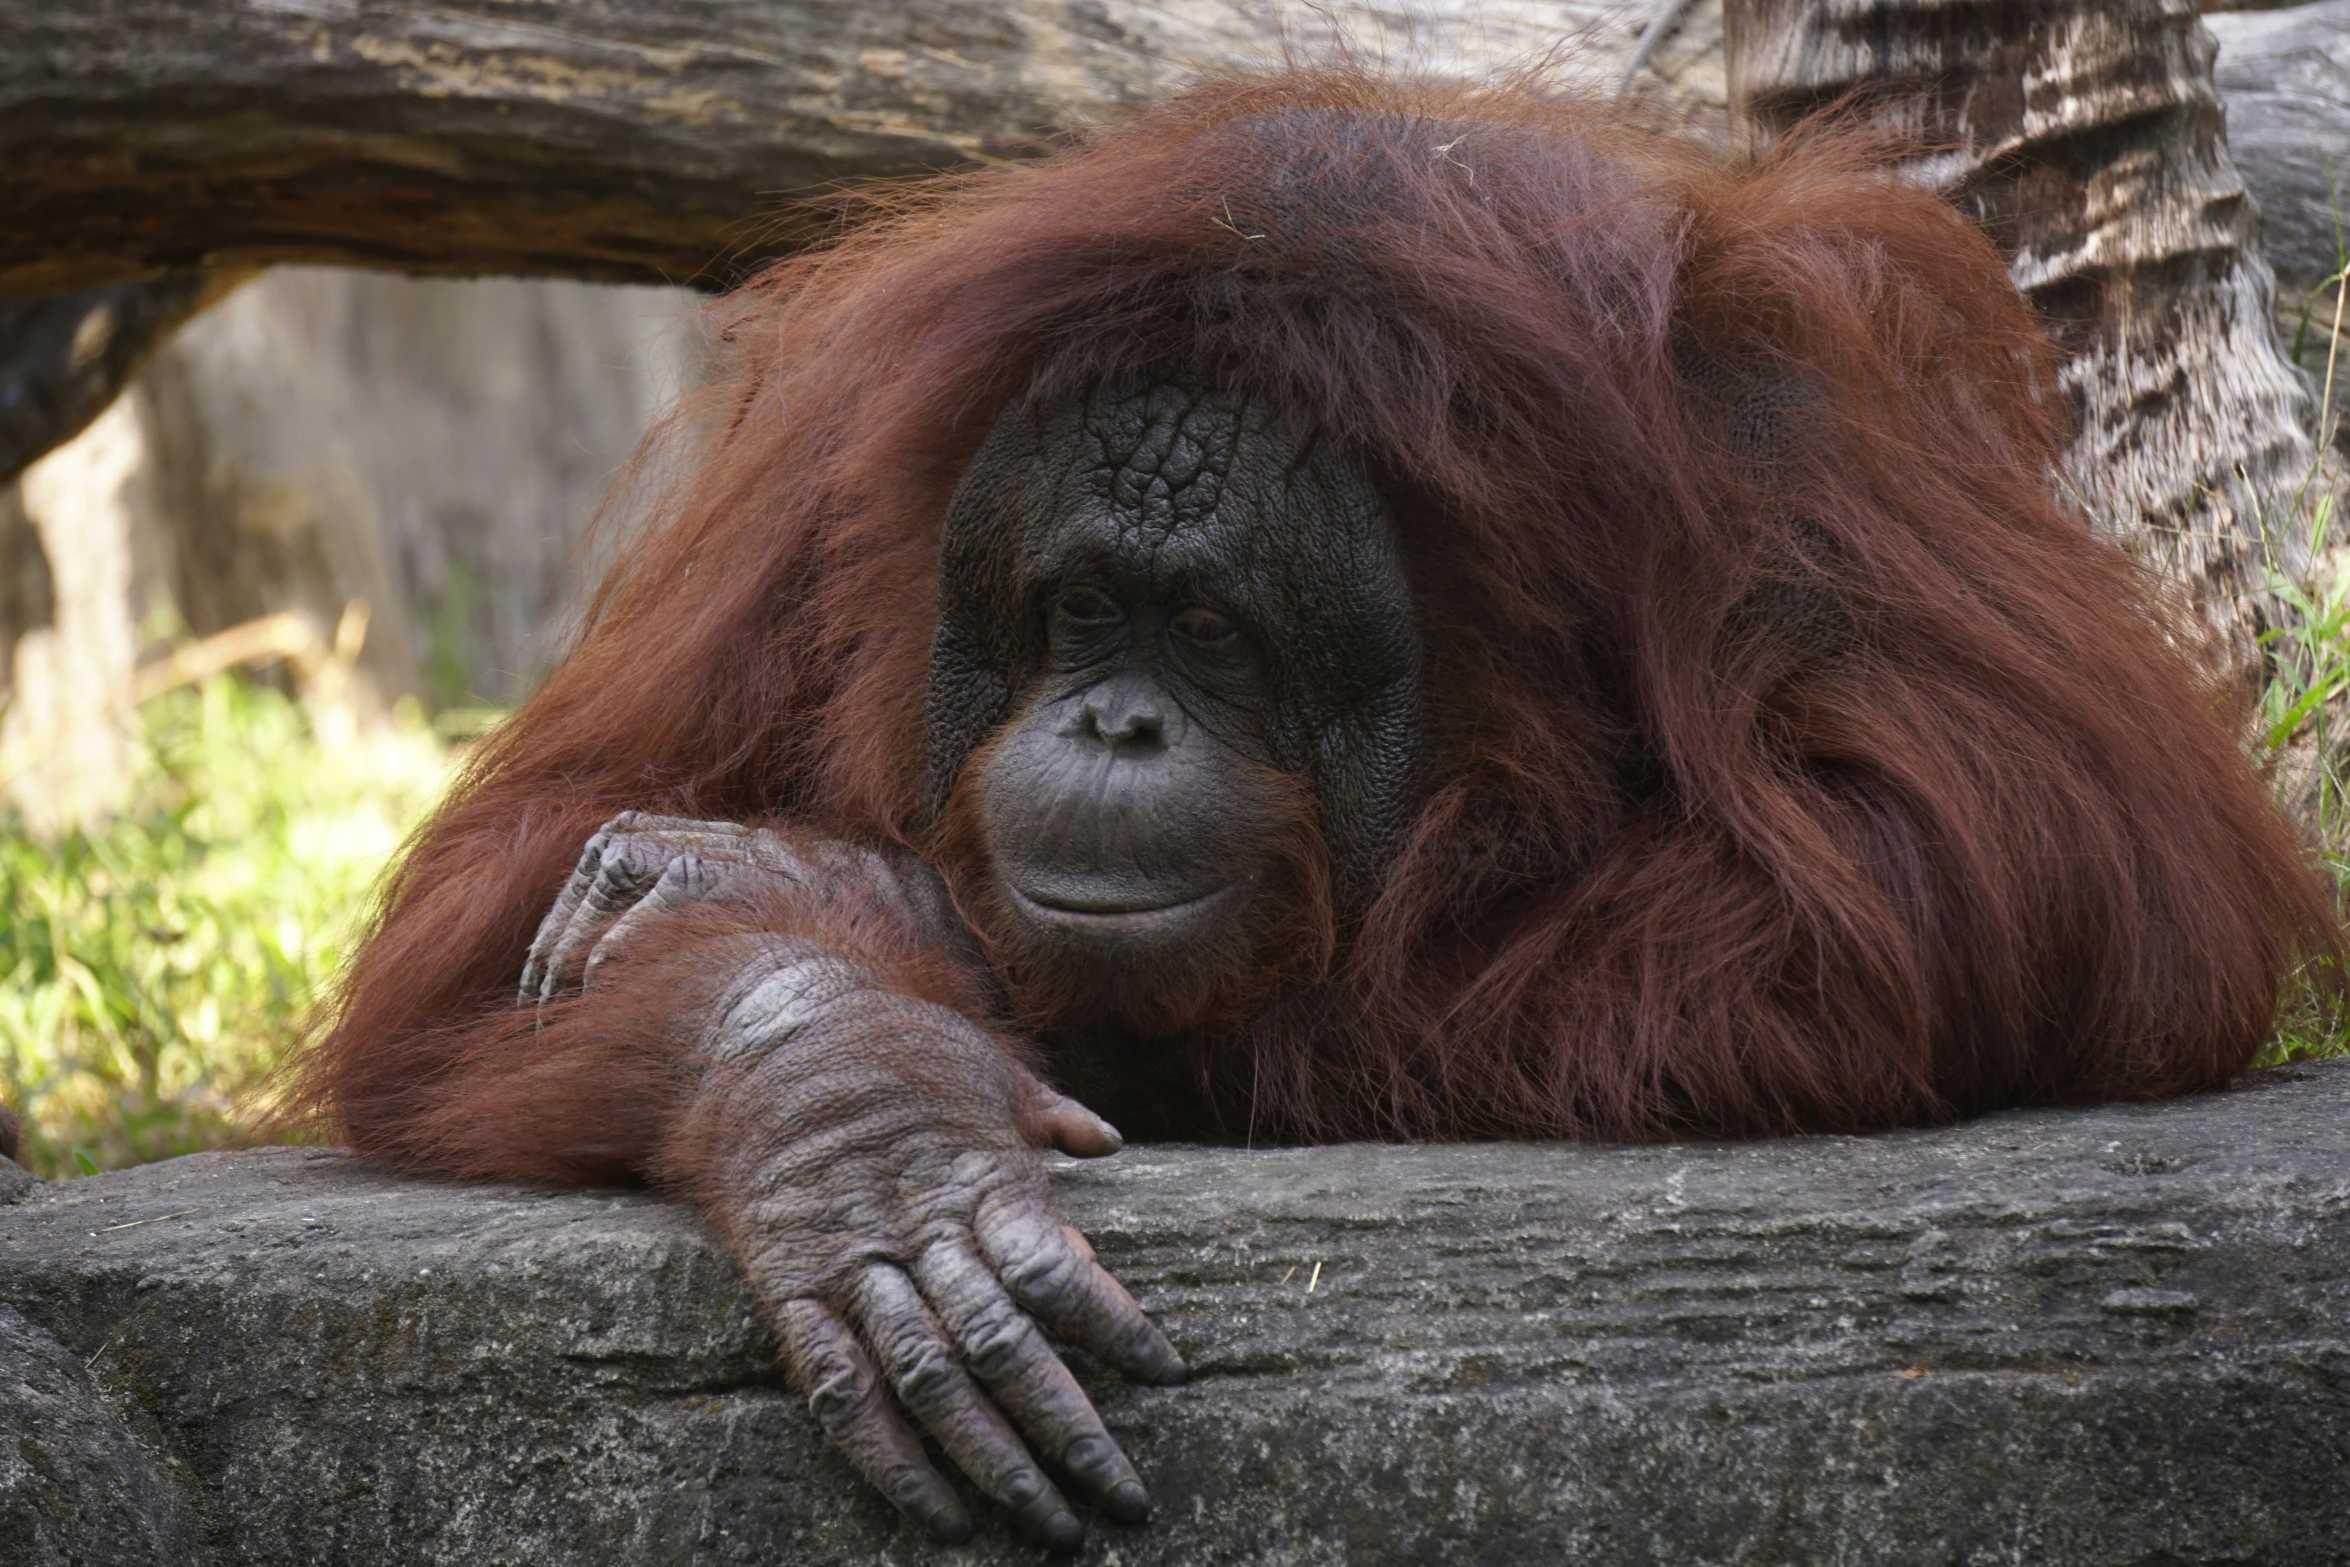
{"x": 624, "y": 140}
{"x": 147, "y": 145}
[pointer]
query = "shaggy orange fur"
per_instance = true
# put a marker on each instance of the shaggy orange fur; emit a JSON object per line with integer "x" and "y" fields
{"x": 1832, "y": 783}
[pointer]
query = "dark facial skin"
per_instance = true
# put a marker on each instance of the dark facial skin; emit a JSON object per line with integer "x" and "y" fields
{"x": 1150, "y": 806}
{"x": 1128, "y": 809}
{"x": 1121, "y": 806}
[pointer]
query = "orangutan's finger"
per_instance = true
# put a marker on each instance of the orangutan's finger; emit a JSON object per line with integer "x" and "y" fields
{"x": 688, "y": 879}
{"x": 1054, "y": 1120}
{"x": 845, "y": 1394}
{"x": 623, "y": 875}
{"x": 558, "y": 918}
{"x": 630, "y": 865}
{"x": 1006, "y": 1352}
{"x": 1063, "y": 1287}
{"x": 930, "y": 1381}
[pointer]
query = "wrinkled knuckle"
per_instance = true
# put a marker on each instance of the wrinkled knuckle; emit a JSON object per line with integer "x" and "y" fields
{"x": 841, "y": 1396}
{"x": 1046, "y": 1277}
{"x": 1089, "y": 1454}
{"x": 919, "y": 1368}
{"x": 974, "y": 1169}
{"x": 996, "y": 1344}
{"x": 906, "y": 1484}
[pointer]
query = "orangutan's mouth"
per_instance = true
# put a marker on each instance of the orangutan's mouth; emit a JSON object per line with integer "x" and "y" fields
{"x": 1112, "y": 915}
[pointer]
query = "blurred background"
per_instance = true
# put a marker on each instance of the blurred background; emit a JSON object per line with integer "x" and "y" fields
{"x": 250, "y": 619}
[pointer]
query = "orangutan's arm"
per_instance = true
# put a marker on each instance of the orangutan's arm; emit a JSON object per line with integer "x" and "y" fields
{"x": 872, "y": 1157}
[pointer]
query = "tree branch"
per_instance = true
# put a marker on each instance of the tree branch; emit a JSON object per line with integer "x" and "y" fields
{"x": 64, "y": 356}
{"x": 624, "y": 140}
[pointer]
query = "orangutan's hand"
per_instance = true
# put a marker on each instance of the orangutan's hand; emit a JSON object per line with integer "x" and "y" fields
{"x": 876, "y": 1160}
{"x": 638, "y": 866}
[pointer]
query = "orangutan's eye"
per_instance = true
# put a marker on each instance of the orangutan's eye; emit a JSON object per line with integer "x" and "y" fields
{"x": 1205, "y": 628}
{"x": 1087, "y": 606}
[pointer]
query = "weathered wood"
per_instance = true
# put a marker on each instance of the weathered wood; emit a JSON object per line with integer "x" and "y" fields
{"x": 676, "y": 140}
{"x": 2088, "y": 139}
{"x": 623, "y": 140}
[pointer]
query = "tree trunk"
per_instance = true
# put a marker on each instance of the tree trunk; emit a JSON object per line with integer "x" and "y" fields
{"x": 652, "y": 141}
{"x": 2087, "y": 138}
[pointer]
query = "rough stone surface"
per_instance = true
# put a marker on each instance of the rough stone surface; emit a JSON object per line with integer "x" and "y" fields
{"x": 75, "y": 1485}
{"x": 2098, "y": 1336}
{"x": 2286, "y": 77}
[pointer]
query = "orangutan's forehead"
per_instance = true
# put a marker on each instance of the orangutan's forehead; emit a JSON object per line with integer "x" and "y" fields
{"x": 1176, "y": 467}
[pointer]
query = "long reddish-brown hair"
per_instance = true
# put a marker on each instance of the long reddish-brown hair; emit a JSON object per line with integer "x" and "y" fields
{"x": 1809, "y": 768}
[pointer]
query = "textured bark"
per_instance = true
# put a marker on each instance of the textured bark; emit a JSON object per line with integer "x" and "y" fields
{"x": 2106, "y": 1338}
{"x": 628, "y": 140}
{"x": 2087, "y": 137}
{"x": 623, "y": 140}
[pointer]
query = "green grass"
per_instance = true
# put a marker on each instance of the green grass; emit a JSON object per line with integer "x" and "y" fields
{"x": 2307, "y": 693}
{"x": 156, "y": 970}
{"x": 2301, "y": 708}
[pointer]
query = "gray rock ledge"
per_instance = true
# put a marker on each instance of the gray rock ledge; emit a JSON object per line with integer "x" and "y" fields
{"x": 2100, "y": 1336}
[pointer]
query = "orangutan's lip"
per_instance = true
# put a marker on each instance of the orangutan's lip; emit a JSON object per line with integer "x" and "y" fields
{"x": 1116, "y": 919}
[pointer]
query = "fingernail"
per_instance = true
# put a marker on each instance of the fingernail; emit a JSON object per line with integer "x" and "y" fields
{"x": 1116, "y": 1137}
{"x": 1061, "y": 1533}
{"x": 1172, "y": 1371}
{"x": 950, "y": 1525}
{"x": 1128, "y": 1502}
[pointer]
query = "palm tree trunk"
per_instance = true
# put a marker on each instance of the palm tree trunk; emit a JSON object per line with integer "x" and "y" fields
{"x": 2087, "y": 138}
